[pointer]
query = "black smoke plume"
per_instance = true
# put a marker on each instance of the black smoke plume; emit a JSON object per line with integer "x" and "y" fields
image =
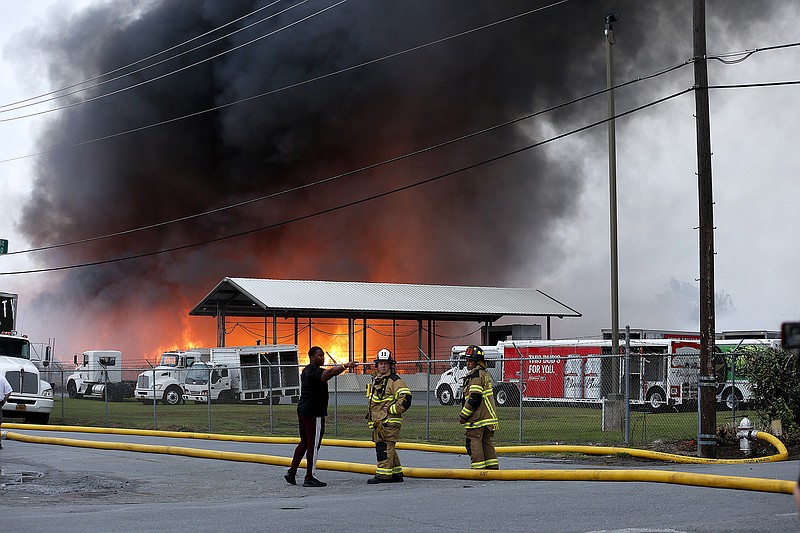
{"x": 491, "y": 225}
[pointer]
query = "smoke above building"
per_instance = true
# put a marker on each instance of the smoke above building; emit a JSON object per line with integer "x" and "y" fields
{"x": 492, "y": 224}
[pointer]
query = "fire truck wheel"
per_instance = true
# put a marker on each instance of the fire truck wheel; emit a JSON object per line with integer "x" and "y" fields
{"x": 506, "y": 396}
{"x": 445, "y": 395}
{"x": 173, "y": 395}
{"x": 731, "y": 398}
{"x": 656, "y": 400}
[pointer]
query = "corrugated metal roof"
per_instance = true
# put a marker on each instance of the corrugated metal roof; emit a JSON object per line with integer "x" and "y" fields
{"x": 307, "y": 298}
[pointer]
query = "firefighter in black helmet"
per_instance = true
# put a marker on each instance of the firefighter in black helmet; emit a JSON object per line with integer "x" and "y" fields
{"x": 479, "y": 414}
{"x": 389, "y": 397}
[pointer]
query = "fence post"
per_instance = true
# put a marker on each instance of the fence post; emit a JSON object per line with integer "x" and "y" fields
{"x": 208, "y": 403}
{"x": 627, "y": 385}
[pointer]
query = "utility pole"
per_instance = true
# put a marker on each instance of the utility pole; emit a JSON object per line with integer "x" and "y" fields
{"x": 611, "y": 18}
{"x": 707, "y": 438}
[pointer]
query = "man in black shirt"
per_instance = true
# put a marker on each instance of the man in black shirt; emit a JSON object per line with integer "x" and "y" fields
{"x": 311, "y": 412}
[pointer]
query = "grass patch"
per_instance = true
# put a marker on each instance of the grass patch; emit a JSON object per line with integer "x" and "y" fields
{"x": 539, "y": 424}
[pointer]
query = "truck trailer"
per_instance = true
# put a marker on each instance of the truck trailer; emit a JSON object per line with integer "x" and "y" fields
{"x": 663, "y": 372}
{"x": 259, "y": 374}
{"x": 164, "y": 382}
{"x": 98, "y": 374}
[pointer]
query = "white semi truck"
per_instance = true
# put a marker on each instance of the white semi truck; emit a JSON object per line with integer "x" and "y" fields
{"x": 164, "y": 382}
{"x": 32, "y": 397}
{"x": 98, "y": 374}
{"x": 259, "y": 374}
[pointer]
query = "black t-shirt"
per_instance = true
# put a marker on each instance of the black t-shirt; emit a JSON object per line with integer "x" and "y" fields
{"x": 313, "y": 393}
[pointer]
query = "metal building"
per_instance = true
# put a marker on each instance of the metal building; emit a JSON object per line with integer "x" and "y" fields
{"x": 297, "y": 300}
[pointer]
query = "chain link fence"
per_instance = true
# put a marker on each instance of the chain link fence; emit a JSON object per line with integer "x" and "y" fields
{"x": 565, "y": 399}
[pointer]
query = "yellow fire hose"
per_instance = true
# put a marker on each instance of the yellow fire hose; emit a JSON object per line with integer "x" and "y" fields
{"x": 653, "y": 476}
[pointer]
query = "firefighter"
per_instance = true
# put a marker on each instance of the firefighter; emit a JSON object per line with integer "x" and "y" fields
{"x": 479, "y": 414}
{"x": 389, "y": 397}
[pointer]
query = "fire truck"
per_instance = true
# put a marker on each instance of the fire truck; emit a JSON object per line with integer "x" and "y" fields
{"x": 733, "y": 388}
{"x": 663, "y": 372}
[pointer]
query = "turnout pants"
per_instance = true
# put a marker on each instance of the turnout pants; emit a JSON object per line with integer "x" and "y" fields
{"x": 385, "y": 439}
{"x": 480, "y": 447}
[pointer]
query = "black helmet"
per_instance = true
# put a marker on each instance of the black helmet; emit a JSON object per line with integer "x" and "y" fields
{"x": 474, "y": 353}
{"x": 384, "y": 356}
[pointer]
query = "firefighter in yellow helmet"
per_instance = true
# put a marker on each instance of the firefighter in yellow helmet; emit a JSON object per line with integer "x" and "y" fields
{"x": 389, "y": 397}
{"x": 479, "y": 414}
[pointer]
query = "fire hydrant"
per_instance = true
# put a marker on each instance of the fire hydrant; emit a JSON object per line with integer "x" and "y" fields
{"x": 745, "y": 434}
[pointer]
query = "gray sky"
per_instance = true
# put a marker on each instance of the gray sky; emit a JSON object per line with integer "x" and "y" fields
{"x": 559, "y": 244}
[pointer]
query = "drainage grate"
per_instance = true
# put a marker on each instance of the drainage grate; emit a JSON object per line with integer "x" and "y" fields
{"x": 16, "y": 477}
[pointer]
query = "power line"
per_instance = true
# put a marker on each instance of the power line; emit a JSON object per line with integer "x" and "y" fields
{"x": 273, "y": 91}
{"x": 751, "y": 85}
{"x": 134, "y": 63}
{"x": 145, "y": 82}
{"x": 360, "y": 201}
{"x": 361, "y": 169}
{"x": 746, "y": 54}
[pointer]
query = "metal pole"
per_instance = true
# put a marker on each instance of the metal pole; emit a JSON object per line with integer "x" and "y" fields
{"x": 627, "y": 385}
{"x": 208, "y": 403}
{"x": 105, "y": 390}
{"x": 271, "y": 414}
{"x": 707, "y": 438}
{"x": 611, "y": 18}
{"x": 155, "y": 417}
{"x": 427, "y": 396}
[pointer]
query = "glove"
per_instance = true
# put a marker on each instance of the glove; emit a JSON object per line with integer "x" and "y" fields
{"x": 462, "y": 420}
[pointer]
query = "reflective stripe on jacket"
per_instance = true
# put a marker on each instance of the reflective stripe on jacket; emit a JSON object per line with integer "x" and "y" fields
{"x": 390, "y": 390}
{"x": 479, "y": 407}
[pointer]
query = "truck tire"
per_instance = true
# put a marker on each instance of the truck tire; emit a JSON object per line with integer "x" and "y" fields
{"x": 225, "y": 396}
{"x": 445, "y": 395}
{"x": 731, "y": 398}
{"x": 172, "y": 396}
{"x": 506, "y": 396}
{"x": 72, "y": 390}
{"x": 657, "y": 400}
{"x": 37, "y": 418}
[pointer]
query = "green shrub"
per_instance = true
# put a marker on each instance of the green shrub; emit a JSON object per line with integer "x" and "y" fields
{"x": 774, "y": 377}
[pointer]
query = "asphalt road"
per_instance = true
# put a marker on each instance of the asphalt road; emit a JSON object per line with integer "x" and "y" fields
{"x": 62, "y": 488}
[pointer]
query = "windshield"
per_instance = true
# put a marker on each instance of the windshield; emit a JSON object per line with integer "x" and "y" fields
{"x": 12, "y": 347}
{"x": 197, "y": 376}
{"x": 169, "y": 360}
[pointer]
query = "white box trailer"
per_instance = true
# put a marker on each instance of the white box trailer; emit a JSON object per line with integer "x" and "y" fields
{"x": 260, "y": 374}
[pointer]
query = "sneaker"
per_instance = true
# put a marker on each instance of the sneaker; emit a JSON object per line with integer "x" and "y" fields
{"x": 314, "y": 482}
{"x": 375, "y": 480}
{"x": 290, "y": 479}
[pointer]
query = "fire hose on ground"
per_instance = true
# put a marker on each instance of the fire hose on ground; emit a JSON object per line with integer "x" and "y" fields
{"x": 651, "y": 476}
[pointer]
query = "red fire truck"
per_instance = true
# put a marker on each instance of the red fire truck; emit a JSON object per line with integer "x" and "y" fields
{"x": 663, "y": 372}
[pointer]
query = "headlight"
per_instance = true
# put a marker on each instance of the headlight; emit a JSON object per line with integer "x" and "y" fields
{"x": 159, "y": 386}
{"x": 48, "y": 393}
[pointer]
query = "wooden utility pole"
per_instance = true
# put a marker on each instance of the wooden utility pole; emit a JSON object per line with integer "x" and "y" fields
{"x": 707, "y": 437}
